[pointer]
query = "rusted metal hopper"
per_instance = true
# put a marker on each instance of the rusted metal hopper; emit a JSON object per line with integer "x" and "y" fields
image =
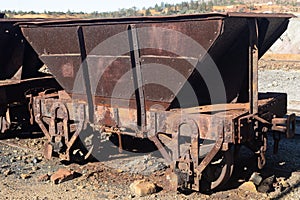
{"x": 225, "y": 37}
{"x": 190, "y": 83}
{"x": 16, "y": 52}
{"x": 19, "y": 74}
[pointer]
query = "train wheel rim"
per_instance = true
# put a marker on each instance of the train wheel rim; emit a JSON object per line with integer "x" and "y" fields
{"x": 219, "y": 171}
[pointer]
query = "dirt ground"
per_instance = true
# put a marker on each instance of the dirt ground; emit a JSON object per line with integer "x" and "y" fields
{"x": 21, "y": 168}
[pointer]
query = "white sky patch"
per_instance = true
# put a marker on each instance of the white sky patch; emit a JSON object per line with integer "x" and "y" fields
{"x": 78, "y": 5}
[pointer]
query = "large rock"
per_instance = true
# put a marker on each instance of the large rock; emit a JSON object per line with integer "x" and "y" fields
{"x": 25, "y": 176}
{"x": 61, "y": 175}
{"x": 248, "y": 186}
{"x": 267, "y": 185}
{"x": 255, "y": 178}
{"x": 7, "y": 172}
{"x": 142, "y": 188}
{"x": 43, "y": 177}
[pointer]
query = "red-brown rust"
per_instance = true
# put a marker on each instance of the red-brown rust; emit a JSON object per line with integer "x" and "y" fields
{"x": 234, "y": 42}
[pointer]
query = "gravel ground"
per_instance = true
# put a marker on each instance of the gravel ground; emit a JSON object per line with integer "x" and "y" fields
{"x": 281, "y": 81}
{"x": 110, "y": 180}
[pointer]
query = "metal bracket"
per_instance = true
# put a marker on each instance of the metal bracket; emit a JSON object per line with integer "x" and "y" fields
{"x": 253, "y": 65}
{"x": 85, "y": 72}
{"x": 285, "y": 125}
{"x": 138, "y": 77}
{"x": 59, "y": 135}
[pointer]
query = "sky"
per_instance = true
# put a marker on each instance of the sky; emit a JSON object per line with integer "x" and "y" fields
{"x": 77, "y": 5}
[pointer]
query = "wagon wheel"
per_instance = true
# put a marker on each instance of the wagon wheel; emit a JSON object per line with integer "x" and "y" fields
{"x": 219, "y": 171}
{"x": 85, "y": 146}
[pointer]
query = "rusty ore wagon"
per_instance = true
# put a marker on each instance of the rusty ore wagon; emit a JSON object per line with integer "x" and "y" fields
{"x": 186, "y": 83}
{"x": 19, "y": 75}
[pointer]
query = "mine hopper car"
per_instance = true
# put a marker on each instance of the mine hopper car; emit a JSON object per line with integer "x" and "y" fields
{"x": 187, "y": 83}
{"x": 19, "y": 76}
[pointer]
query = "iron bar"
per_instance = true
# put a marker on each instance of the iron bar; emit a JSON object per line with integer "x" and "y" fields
{"x": 253, "y": 65}
{"x": 86, "y": 76}
{"x": 138, "y": 77}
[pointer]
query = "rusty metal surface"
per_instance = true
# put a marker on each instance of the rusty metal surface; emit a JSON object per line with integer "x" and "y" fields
{"x": 253, "y": 65}
{"x": 19, "y": 74}
{"x": 260, "y": 15}
{"x": 14, "y": 102}
{"x": 235, "y": 42}
{"x": 151, "y": 19}
{"x": 16, "y": 52}
{"x": 58, "y": 57}
{"x": 163, "y": 120}
{"x": 224, "y": 36}
{"x": 11, "y": 46}
{"x": 285, "y": 125}
{"x": 55, "y": 115}
{"x": 125, "y": 20}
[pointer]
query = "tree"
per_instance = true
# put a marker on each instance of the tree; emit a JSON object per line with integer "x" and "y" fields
{"x": 202, "y": 7}
{"x": 156, "y": 7}
{"x": 148, "y": 12}
{"x": 210, "y": 6}
{"x": 185, "y": 5}
{"x": 196, "y": 5}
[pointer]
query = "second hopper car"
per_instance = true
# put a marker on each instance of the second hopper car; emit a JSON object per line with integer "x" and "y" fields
{"x": 19, "y": 75}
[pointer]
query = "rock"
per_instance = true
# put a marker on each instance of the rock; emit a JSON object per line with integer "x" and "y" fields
{"x": 248, "y": 186}
{"x": 25, "y": 176}
{"x": 274, "y": 83}
{"x": 112, "y": 196}
{"x": 43, "y": 178}
{"x": 130, "y": 196}
{"x": 282, "y": 182}
{"x": 142, "y": 188}
{"x": 4, "y": 166}
{"x": 35, "y": 168}
{"x": 285, "y": 184}
{"x": 34, "y": 160}
{"x": 80, "y": 187}
{"x": 296, "y": 175}
{"x": 255, "y": 178}
{"x": 61, "y": 175}
{"x": 19, "y": 158}
{"x": 266, "y": 185}
{"x": 150, "y": 163}
{"x": 40, "y": 158}
{"x": 7, "y": 172}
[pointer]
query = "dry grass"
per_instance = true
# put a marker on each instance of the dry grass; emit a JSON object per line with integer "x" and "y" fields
{"x": 286, "y": 57}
